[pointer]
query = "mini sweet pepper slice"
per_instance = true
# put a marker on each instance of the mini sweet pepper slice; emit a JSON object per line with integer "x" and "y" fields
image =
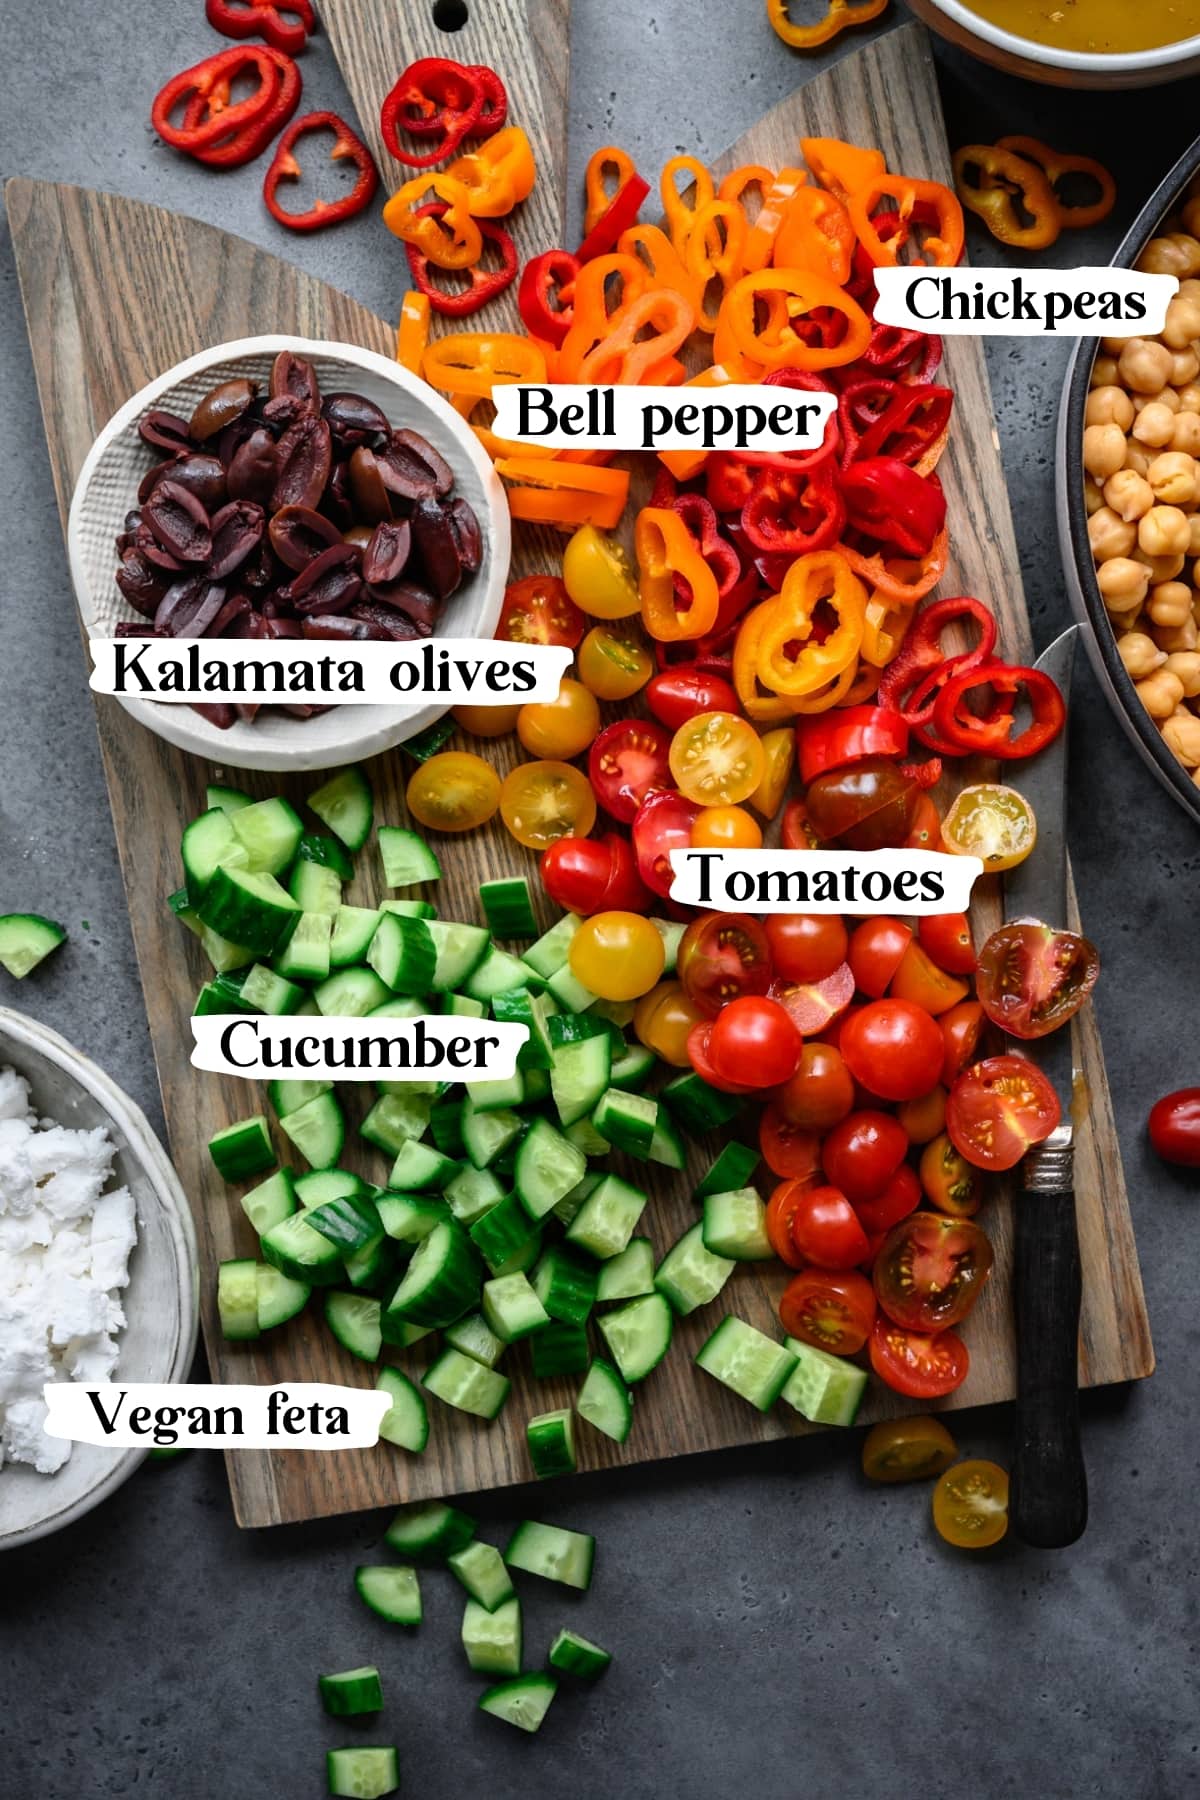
{"x": 285, "y": 166}
{"x": 665, "y": 550}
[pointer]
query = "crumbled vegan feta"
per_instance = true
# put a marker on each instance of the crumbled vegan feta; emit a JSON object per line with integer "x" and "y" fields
{"x": 64, "y": 1255}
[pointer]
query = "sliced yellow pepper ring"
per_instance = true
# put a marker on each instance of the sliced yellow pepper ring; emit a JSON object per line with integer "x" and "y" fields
{"x": 474, "y": 362}
{"x": 821, "y": 576}
{"x": 834, "y": 693}
{"x": 679, "y": 215}
{"x": 884, "y": 625}
{"x": 498, "y": 175}
{"x": 453, "y": 241}
{"x": 803, "y": 292}
{"x": 764, "y": 709}
{"x": 665, "y": 548}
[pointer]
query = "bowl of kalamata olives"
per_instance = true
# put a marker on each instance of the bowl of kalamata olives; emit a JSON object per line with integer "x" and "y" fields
{"x": 278, "y": 488}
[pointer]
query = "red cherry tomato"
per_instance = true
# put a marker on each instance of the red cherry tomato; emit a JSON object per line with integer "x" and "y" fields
{"x": 913, "y": 1363}
{"x": 806, "y": 946}
{"x": 676, "y": 695}
{"x": 820, "y": 1092}
{"x": 814, "y": 1005}
{"x": 576, "y": 872}
{"x": 962, "y": 1028}
{"x": 901, "y": 1196}
{"x": 1175, "y": 1127}
{"x": 797, "y": 828}
{"x": 861, "y": 1155}
{"x": 832, "y": 1309}
{"x": 778, "y": 1220}
{"x": 723, "y": 957}
{"x": 946, "y": 937}
{"x": 997, "y": 1108}
{"x": 1032, "y": 980}
{"x": 626, "y": 891}
{"x": 755, "y": 1036}
{"x": 931, "y": 1270}
{"x": 894, "y": 1049}
{"x": 699, "y": 1041}
{"x": 628, "y": 762}
{"x": 826, "y": 1231}
{"x": 538, "y": 610}
{"x": 663, "y": 823}
{"x": 876, "y": 949}
{"x": 787, "y": 1150}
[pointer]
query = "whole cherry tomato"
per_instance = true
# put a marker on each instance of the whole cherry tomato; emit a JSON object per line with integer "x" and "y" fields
{"x": 806, "y": 946}
{"x": 876, "y": 950}
{"x": 925, "y": 1116}
{"x": 576, "y": 872}
{"x": 861, "y": 1155}
{"x": 998, "y": 1108}
{"x": 699, "y": 1039}
{"x": 894, "y": 1049}
{"x": 618, "y": 955}
{"x": 778, "y": 1218}
{"x": 754, "y": 1036}
{"x": 826, "y": 1230}
{"x": 931, "y": 1270}
{"x": 626, "y": 763}
{"x": 820, "y": 1093}
{"x": 833, "y": 1309}
{"x": 946, "y": 937}
{"x": 726, "y": 828}
{"x": 562, "y": 727}
{"x": 901, "y": 1196}
{"x": 662, "y": 1021}
{"x": 1175, "y": 1127}
{"x": 723, "y": 957}
{"x": 788, "y": 1150}
{"x": 538, "y": 610}
{"x": 676, "y": 695}
{"x": 915, "y": 1363}
{"x": 626, "y": 891}
{"x": 664, "y": 823}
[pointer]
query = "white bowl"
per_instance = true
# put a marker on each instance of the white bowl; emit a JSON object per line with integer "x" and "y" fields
{"x": 107, "y": 490}
{"x": 958, "y": 24}
{"x": 161, "y": 1300}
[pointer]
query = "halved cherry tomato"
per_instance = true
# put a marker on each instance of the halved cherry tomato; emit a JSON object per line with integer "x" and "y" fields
{"x": 664, "y": 823}
{"x": 962, "y": 1028}
{"x": 861, "y": 1155}
{"x": 598, "y": 577}
{"x": 901, "y": 1196}
{"x": 562, "y": 727}
{"x": 454, "y": 791}
{"x": 998, "y": 1108}
{"x": 806, "y": 946}
{"x": 662, "y": 1021}
{"x": 486, "y": 721}
{"x": 798, "y": 831}
{"x": 676, "y": 695}
{"x": 699, "y": 1038}
{"x": 913, "y": 1363}
{"x": 894, "y": 1048}
{"x": 753, "y": 1037}
{"x": 538, "y": 610}
{"x": 970, "y": 1504}
{"x": 992, "y": 822}
{"x": 1174, "y": 1127}
{"x": 925, "y": 832}
{"x": 723, "y": 957}
{"x": 543, "y": 801}
{"x": 826, "y": 1230}
{"x": 778, "y": 1219}
{"x": 876, "y": 951}
{"x": 931, "y": 1270}
{"x": 814, "y": 1005}
{"x": 946, "y": 937}
{"x": 925, "y": 1116}
{"x": 787, "y": 1150}
{"x": 868, "y": 806}
{"x": 820, "y": 1093}
{"x": 833, "y": 1309}
{"x": 717, "y": 759}
{"x": 613, "y": 662}
{"x": 618, "y": 955}
{"x": 726, "y": 828}
{"x": 1031, "y": 979}
{"x": 628, "y": 762}
{"x": 907, "y": 1450}
{"x": 779, "y": 751}
{"x": 920, "y": 980}
{"x": 948, "y": 1181}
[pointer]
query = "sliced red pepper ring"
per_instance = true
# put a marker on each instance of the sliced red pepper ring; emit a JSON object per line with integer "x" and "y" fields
{"x": 232, "y": 151}
{"x": 620, "y": 213}
{"x": 286, "y": 26}
{"x": 891, "y": 504}
{"x": 882, "y": 417}
{"x": 284, "y": 166}
{"x": 791, "y": 514}
{"x": 483, "y": 284}
{"x": 895, "y": 577}
{"x": 436, "y": 97}
{"x": 969, "y": 734}
{"x": 545, "y": 297}
{"x": 832, "y": 740}
{"x": 210, "y": 83}
{"x": 923, "y": 657}
{"x": 700, "y": 517}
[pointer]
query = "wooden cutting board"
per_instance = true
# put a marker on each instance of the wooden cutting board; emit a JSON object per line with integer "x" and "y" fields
{"x": 98, "y": 331}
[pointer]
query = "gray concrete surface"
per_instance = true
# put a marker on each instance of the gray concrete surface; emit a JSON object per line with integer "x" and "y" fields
{"x": 780, "y": 1629}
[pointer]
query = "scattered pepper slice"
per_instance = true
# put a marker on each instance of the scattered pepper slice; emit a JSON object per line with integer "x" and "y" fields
{"x": 483, "y": 284}
{"x": 921, "y": 202}
{"x": 442, "y": 230}
{"x": 666, "y": 549}
{"x": 285, "y": 27}
{"x": 284, "y": 166}
{"x": 450, "y": 101}
{"x": 1057, "y": 166}
{"x": 1002, "y": 183}
{"x": 499, "y": 175}
{"x": 840, "y": 16}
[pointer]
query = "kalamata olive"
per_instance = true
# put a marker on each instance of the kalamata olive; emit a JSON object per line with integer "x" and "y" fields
{"x": 467, "y": 533}
{"x": 385, "y": 556}
{"x": 179, "y": 522}
{"x": 127, "y": 537}
{"x": 283, "y": 628}
{"x": 329, "y": 584}
{"x": 284, "y": 410}
{"x": 203, "y": 476}
{"x": 145, "y": 541}
{"x": 298, "y": 534}
{"x": 333, "y": 625}
{"x": 253, "y": 467}
{"x": 220, "y": 407}
{"x": 164, "y": 430}
{"x": 153, "y": 474}
{"x": 261, "y": 572}
{"x": 436, "y": 545}
{"x": 130, "y": 628}
{"x": 416, "y": 603}
{"x": 869, "y": 805}
{"x": 236, "y": 531}
{"x": 141, "y": 583}
{"x": 251, "y": 625}
{"x": 353, "y": 419}
{"x": 358, "y": 535}
{"x": 189, "y": 607}
{"x": 382, "y": 622}
{"x": 295, "y": 376}
{"x": 412, "y": 443}
{"x": 217, "y": 712}
{"x": 235, "y": 608}
{"x": 230, "y": 441}
{"x": 412, "y": 469}
{"x": 337, "y": 502}
{"x": 247, "y": 710}
{"x": 371, "y": 500}
{"x": 305, "y": 452}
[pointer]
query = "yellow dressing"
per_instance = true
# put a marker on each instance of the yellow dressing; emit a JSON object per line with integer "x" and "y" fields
{"x": 1103, "y": 27}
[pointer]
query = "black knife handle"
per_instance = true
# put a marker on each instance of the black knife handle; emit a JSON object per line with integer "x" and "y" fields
{"x": 1048, "y": 1503}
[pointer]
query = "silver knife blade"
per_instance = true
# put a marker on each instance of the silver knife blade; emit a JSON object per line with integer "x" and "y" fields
{"x": 1037, "y": 888}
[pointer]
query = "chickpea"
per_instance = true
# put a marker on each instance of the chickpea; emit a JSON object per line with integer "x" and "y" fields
{"x": 1114, "y": 345}
{"x": 1137, "y": 457}
{"x": 1164, "y": 397}
{"x": 1189, "y": 397}
{"x": 1155, "y": 424}
{"x": 1170, "y": 603}
{"x": 1163, "y": 531}
{"x": 1185, "y": 365}
{"x": 1140, "y": 654}
{"x": 1103, "y": 450}
{"x": 1175, "y": 254}
{"x": 1128, "y": 494}
{"x": 1186, "y": 665}
{"x": 1191, "y": 213}
{"x": 1193, "y": 548}
{"x": 1126, "y": 621}
{"x": 1109, "y": 406}
{"x": 1158, "y": 568}
{"x": 1104, "y": 372}
{"x": 1160, "y": 693}
{"x": 1111, "y": 536}
{"x": 1093, "y": 499}
{"x": 1172, "y": 478}
{"x": 1186, "y": 435}
{"x": 1181, "y": 735}
{"x": 1176, "y": 638}
{"x": 1122, "y": 583}
{"x": 1182, "y": 322}
{"x": 1144, "y": 365}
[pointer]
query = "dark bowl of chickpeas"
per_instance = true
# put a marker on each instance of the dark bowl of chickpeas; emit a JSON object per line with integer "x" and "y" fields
{"x": 1129, "y": 497}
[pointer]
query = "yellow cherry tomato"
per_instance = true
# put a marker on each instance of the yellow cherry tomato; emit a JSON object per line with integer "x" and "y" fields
{"x": 614, "y": 663}
{"x": 543, "y": 801}
{"x": 726, "y": 828}
{"x": 779, "y": 750}
{"x": 662, "y": 1020}
{"x": 487, "y": 721}
{"x": 993, "y": 822}
{"x": 598, "y": 576}
{"x": 618, "y": 955}
{"x": 907, "y": 1450}
{"x": 562, "y": 727}
{"x": 970, "y": 1504}
{"x": 717, "y": 759}
{"x": 453, "y": 792}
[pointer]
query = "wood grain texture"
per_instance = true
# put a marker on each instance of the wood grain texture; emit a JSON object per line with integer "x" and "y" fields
{"x": 91, "y": 269}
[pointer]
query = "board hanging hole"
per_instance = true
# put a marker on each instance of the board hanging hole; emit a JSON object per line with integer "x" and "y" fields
{"x": 450, "y": 15}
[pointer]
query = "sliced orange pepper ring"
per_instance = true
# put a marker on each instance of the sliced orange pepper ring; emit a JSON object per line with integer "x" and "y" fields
{"x": 893, "y": 576}
{"x": 412, "y": 332}
{"x": 665, "y": 548}
{"x": 841, "y": 167}
{"x": 816, "y": 233}
{"x": 497, "y": 176}
{"x": 944, "y": 246}
{"x": 840, "y": 16}
{"x": 760, "y": 239}
{"x": 715, "y": 251}
{"x": 1058, "y": 166}
{"x": 750, "y": 175}
{"x": 548, "y": 491}
{"x": 474, "y": 362}
{"x": 803, "y": 292}
{"x": 594, "y": 310}
{"x": 624, "y": 356}
{"x": 663, "y": 263}
{"x": 598, "y": 196}
{"x": 679, "y": 215}
{"x": 450, "y": 239}
{"x": 763, "y": 708}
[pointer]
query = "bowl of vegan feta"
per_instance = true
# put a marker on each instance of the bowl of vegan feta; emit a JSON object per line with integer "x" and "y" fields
{"x": 98, "y": 1277}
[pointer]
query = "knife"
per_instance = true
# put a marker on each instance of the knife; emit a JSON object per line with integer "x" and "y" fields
{"x": 1048, "y": 1504}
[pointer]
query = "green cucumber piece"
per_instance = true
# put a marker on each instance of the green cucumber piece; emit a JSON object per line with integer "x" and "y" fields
{"x": 429, "y": 1530}
{"x": 486, "y": 1135}
{"x": 697, "y": 1107}
{"x": 269, "y": 831}
{"x": 496, "y": 972}
{"x": 327, "y": 853}
{"x": 402, "y": 953}
{"x": 458, "y": 950}
{"x": 248, "y": 908}
{"x": 279, "y": 1297}
{"x": 630, "y": 1274}
{"x": 508, "y": 908}
{"x": 391, "y": 1591}
{"x": 732, "y": 1170}
{"x": 747, "y": 1362}
{"x": 363, "y": 1771}
{"x": 269, "y": 992}
{"x": 626, "y": 1121}
{"x": 633, "y": 1067}
{"x": 580, "y": 1064}
{"x": 638, "y": 1336}
{"x": 318, "y": 889}
{"x": 442, "y": 1281}
{"x": 605, "y": 1222}
{"x": 551, "y": 1440}
{"x": 301, "y": 1253}
{"x": 242, "y": 1150}
{"x": 419, "y": 1166}
{"x": 519, "y": 1006}
{"x": 272, "y": 1200}
{"x": 492, "y": 1637}
{"x": 511, "y": 1307}
{"x": 406, "y": 858}
{"x": 318, "y": 1130}
{"x": 344, "y": 803}
{"x": 735, "y": 1225}
{"x": 484, "y": 1573}
{"x": 227, "y": 799}
{"x": 547, "y": 1168}
{"x": 354, "y": 928}
{"x": 395, "y": 1120}
{"x": 691, "y": 1276}
{"x": 605, "y": 1401}
{"x": 237, "y": 1299}
{"x": 468, "y": 1386}
{"x": 351, "y": 1691}
{"x": 502, "y": 1232}
{"x": 351, "y": 994}
{"x": 553, "y": 1552}
{"x": 559, "y": 1349}
{"x": 576, "y": 1655}
{"x": 566, "y": 1285}
{"x": 321, "y": 1185}
{"x": 523, "y": 1702}
{"x": 26, "y": 939}
{"x": 354, "y": 1321}
{"x": 305, "y": 956}
{"x": 826, "y": 1389}
{"x": 406, "y": 1421}
{"x": 550, "y": 952}
{"x": 206, "y": 843}
{"x": 475, "y": 1338}
{"x": 471, "y": 1193}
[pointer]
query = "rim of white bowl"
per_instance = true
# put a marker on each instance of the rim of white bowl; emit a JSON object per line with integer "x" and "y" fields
{"x": 379, "y": 728}
{"x": 1086, "y": 61}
